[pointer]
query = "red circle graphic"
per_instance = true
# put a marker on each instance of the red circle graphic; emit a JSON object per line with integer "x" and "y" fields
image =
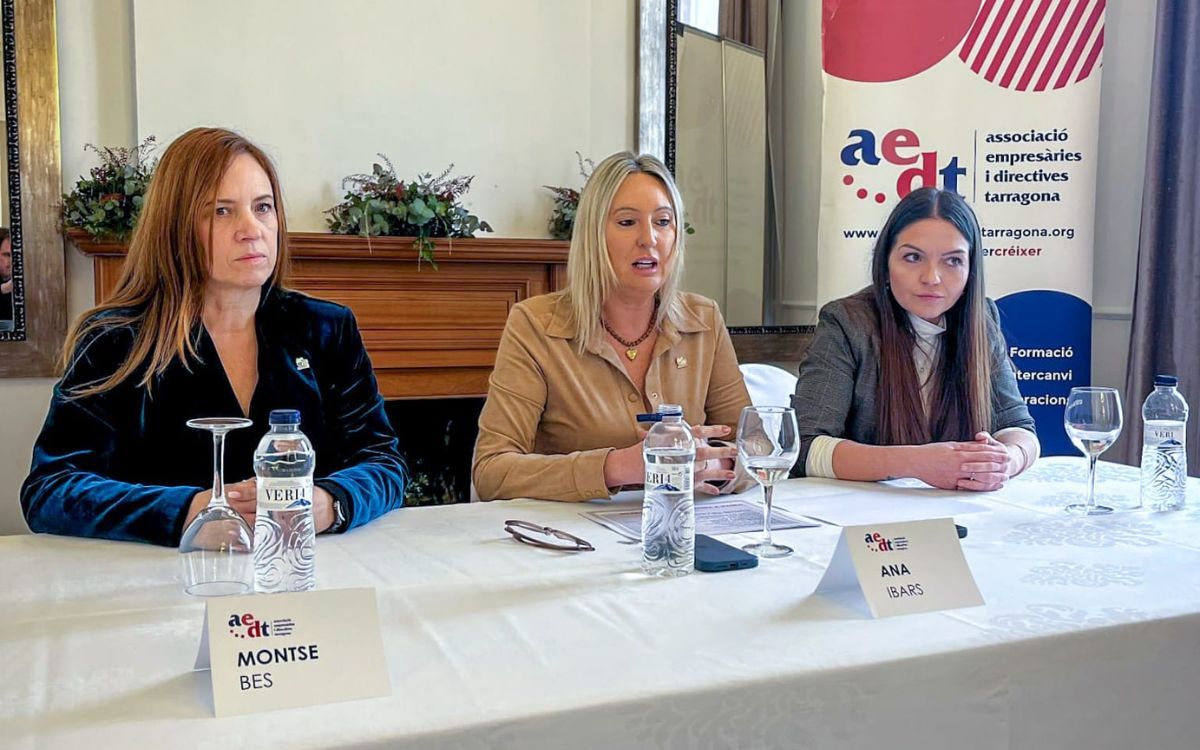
{"x": 884, "y": 40}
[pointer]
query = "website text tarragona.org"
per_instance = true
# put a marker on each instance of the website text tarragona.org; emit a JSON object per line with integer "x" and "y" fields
{"x": 1000, "y": 233}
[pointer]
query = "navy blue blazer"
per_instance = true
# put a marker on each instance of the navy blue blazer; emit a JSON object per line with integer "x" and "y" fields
{"x": 124, "y": 465}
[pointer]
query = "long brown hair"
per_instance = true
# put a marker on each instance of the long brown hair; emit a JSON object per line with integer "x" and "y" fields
{"x": 161, "y": 289}
{"x": 960, "y": 404}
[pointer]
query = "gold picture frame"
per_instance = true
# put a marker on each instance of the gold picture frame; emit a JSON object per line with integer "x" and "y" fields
{"x": 34, "y": 187}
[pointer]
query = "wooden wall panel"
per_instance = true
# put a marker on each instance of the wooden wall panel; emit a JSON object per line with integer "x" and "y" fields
{"x": 430, "y": 333}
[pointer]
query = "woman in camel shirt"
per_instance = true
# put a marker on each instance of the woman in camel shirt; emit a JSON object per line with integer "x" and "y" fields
{"x": 576, "y": 367}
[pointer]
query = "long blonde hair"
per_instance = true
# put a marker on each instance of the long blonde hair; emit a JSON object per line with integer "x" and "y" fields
{"x": 590, "y": 275}
{"x": 161, "y": 289}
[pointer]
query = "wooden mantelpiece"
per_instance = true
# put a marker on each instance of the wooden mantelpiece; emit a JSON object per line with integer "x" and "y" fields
{"x": 430, "y": 334}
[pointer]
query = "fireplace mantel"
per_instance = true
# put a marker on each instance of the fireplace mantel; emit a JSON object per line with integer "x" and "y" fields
{"x": 430, "y": 333}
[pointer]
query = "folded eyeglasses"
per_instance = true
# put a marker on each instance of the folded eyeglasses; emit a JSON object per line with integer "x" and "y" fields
{"x": 544, "y": 536}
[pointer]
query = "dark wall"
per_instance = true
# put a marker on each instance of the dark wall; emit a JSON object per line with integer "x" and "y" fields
{"x": 437, "y": 439}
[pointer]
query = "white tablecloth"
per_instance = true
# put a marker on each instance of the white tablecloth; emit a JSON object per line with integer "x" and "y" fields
{"x": 1090, "y": 638}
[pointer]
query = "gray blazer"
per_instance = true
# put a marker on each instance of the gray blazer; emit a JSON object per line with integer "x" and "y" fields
{"x": 835, "y": 395}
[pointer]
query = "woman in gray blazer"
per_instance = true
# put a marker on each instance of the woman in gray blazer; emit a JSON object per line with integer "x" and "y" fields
{"x": 910, "y": 377}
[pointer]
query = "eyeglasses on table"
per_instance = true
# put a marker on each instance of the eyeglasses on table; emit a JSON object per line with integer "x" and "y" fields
{"x": 544, "y": 537}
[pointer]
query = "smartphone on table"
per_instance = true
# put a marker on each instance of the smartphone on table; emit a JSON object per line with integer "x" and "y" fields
{"x": 713, "y": 556}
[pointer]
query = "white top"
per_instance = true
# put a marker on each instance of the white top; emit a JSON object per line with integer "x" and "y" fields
{"x": 926, "y": 350}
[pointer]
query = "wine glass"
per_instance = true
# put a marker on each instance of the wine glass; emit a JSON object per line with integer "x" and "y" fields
{"x": 768, "y": 445}
{"x": 1093, "y": 422}
{"x": 217, "y": 546}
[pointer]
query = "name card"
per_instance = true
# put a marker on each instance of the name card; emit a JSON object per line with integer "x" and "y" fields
{"x": 275, "y": 651}
{"x": 901, "y": 568}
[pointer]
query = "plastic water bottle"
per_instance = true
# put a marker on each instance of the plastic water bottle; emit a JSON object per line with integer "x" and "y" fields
{"x": 668, "y": 510}
{"x": 284, "y": 535}
{"x": 1164, "y": 459}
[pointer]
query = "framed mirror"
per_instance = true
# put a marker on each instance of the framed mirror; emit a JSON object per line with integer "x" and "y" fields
{"x": 702, "y": 108}
{"x": 32, "y": 285}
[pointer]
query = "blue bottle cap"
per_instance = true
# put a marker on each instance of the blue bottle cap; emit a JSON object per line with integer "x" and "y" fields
{"x": 1169, "y": 380}
{"x": 284, "y": 416}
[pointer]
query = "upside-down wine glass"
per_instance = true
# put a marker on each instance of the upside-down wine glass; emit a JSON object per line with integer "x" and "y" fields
{"x": 1093, "y": 422}
{"x": 217, "y": 547}
{"x": 768, "y": 445}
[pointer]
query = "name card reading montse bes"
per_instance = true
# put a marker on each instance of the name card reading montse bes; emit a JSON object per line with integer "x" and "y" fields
{"x": 275, "y": 651}
{"x": 901, "y": 568}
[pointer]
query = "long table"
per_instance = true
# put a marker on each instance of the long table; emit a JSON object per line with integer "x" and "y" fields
{"x": 1089, "y": 638}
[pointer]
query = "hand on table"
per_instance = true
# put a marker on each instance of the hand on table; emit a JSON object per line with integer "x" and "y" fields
{"x": 977, "y": 465}
{"x": 713, "y": 462}
{"x": 242, "y": 497}
{"x": 991, "y": 474}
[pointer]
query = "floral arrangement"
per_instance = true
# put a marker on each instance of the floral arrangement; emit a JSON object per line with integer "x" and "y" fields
{"x": 379, "y": 204}
{"x": 566, "y": 202}
{"x": 106, "y": 203}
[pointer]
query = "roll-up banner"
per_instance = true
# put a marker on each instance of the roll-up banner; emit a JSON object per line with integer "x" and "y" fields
{"x": 999, "y": 101}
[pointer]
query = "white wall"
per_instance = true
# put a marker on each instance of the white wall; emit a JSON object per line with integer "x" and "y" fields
{"x": 1124, "y": 119}
{"x": 802, "y": 104}
{"x": 507, "y": 91}
{"x": 1124, "y": 107}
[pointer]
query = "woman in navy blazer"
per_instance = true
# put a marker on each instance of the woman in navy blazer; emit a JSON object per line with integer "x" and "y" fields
{"x": 199, "y": 325}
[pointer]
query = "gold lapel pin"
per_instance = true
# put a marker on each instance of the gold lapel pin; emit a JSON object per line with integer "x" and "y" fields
{"x": 681, "y": 362}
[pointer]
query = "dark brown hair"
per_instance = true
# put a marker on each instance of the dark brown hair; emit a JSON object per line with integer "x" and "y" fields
{"x": 960, "y": 401}
{"x": 161, "y": 289}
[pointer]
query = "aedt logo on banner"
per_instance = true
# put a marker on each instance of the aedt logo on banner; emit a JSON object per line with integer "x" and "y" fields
{"x": 898, "y": 148}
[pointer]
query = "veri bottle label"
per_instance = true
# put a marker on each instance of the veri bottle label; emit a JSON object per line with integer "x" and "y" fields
{"x": 285, "y": 494}
{"x": 679, "y": 477}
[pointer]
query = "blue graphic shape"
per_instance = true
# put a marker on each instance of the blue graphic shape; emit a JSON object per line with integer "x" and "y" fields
{"x": 1049, "y": 336}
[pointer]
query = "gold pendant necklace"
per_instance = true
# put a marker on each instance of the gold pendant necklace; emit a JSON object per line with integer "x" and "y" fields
{"x": 631, "y": 346}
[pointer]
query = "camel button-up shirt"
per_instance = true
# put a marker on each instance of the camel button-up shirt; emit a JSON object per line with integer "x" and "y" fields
{"x": 552, "y": 415}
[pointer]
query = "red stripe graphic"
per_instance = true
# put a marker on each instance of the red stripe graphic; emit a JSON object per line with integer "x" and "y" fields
{"x": 998, "y": 58}
{"x": 1061, "y": 46}
{"x": 980, "y": 21}
{"x": 1011, "y": 43}
{"x": 1043, "y": 42}
{"x": 1093, "y": 56}
{"x": 1080, "y": 44}
{"x": 997, "y": 22}
{"x": 1026, "y": 38}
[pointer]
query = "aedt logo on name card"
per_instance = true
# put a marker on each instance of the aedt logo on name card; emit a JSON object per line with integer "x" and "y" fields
{"x": 268, "y": 652}
{"x": 248, "y": 626}
{"x": 877, "y": 542}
